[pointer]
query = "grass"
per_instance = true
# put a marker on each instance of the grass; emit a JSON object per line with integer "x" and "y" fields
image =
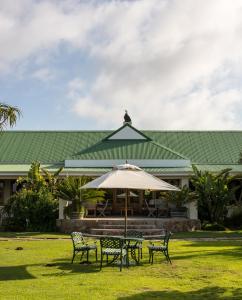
{"x": 42, "y": 270}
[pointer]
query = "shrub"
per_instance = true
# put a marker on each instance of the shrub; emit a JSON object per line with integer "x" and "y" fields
{"x": 31, "y": 210}
{"x": 34, "y": 207}
{"x": 213, "y": 227}
{"x": 213, "y": 194}
{"x": 235, "y": 220}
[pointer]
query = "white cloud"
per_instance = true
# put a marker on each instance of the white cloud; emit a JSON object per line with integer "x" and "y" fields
{"x": 172, "y": 64}
{"x": 163, "y": 60}
{"x": 43, "y": 74}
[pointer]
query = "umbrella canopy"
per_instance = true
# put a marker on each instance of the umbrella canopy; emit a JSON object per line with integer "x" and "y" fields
{"x": 129, "y": 177}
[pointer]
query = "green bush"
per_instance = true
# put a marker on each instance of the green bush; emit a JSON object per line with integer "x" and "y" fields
{"x": 213, "y": 227}
{"x": 213, "y": 193}
{"x": 32, "y": 211}
{"x": 235, "y": 220}
{"x": 34, "y": 207}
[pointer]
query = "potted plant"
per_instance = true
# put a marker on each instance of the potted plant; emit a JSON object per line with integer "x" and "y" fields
{"x": 70, "y": 189}
{"x": 179, "y": 200}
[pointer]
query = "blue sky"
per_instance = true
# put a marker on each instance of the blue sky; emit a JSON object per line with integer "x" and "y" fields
{"x": 79, "y": 64}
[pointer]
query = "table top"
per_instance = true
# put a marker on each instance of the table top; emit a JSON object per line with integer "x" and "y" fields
{"x": 131, "y": 238}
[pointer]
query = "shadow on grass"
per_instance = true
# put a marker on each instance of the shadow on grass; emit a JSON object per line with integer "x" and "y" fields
{"x": 62, "y": 267}
{"x": 209, "y": 249}
{"x": 15, "y": 273}
{"x": 76, "y": 267}
{"x": 213, "y": 293}
{"x": 93, "y": 267}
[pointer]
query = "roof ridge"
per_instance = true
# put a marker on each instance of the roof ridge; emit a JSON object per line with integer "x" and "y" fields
{"x": 168, "y": 149}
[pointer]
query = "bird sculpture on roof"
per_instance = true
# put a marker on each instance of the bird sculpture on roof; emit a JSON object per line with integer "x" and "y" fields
{"x": 127, "y": 118}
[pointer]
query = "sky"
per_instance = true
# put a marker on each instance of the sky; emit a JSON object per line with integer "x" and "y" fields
{"x": 78, "y": 64}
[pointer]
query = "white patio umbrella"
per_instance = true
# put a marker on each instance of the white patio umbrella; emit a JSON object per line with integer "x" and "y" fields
{"x": 123, "y": 195}
{"x": 129, "y": 177}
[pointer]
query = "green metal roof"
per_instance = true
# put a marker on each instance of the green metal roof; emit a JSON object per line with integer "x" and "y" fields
{"x": 53, "y": 147}
{"x": 204, "y": 147}
{"x": 219, "y": 168}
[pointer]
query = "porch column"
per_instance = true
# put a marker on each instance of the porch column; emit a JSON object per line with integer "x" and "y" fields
{"x": 141, "y": 201}
{"x": 192, "y": 206}
{"x": 114, "y": 204}
{"x": 7, "y": 191}
{"x": 62, "y": 204}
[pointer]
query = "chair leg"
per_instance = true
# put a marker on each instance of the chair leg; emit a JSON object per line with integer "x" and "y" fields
{"x": 141, "y": 253}
{"x": 73, "y": 256}
{"x": 101, "y": 263}
{"x": 152, "y": 257}
{"x": 121, "y": 263}
{"x": 96, "y": 255}
{"x": 87, "y": 256}
{"x": 127, "y": 259}
{"x": 168, "y": 257}
{"x": 82, "y": 256}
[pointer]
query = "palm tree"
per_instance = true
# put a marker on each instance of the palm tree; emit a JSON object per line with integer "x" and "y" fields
{"x": 8, "y": 115}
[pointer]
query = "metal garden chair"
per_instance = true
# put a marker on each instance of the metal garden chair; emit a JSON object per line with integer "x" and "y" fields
{"x": 115, "y": 247}
{"x": 163, "y": 247}
{"x": 102, "y": 209}
{"x": 135, "y": 245}
{"x": 80, "y": 245}
{"x": 152, "y": 210}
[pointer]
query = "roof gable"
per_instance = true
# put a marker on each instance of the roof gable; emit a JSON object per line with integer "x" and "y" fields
{"x": 127, "y": 132}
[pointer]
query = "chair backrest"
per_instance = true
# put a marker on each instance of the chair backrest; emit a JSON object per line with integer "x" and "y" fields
{"x": 147, "y": 205}
{"x": 103, "y": 206}
{"x": 111, "y": 242}
{"x": 77, "y": 238}
{"x": 134, "y": 233}
{"x": 167, "y": 238}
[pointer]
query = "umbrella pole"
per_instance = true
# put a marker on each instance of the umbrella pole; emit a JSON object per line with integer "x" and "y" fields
{"x": 126, "y": 212}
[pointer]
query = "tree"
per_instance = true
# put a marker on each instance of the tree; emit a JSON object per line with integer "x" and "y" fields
{"x": 70, "y": 189}
{"x": 38, "y": 177}
{"x": 213, "y": 194}
{"x": 8, "y": 115}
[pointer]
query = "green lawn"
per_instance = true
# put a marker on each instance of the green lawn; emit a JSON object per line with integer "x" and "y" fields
{"x": 42, "y": 270}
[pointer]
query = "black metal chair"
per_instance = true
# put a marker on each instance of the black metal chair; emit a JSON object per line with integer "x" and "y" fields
{"x": 115, "y": 247}
{"x": 80, "y": 245}
{"x": 163, "y": 247}
{"x": 133, "y": 245}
